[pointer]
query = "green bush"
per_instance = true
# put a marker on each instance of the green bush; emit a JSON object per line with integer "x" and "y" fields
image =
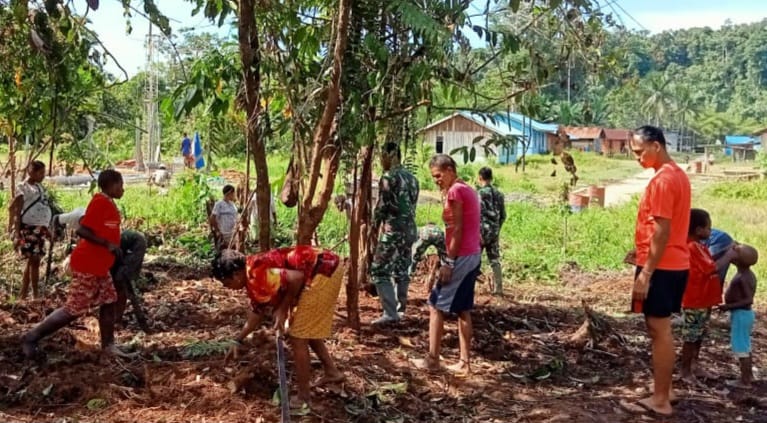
{"x": 740, "y": 190}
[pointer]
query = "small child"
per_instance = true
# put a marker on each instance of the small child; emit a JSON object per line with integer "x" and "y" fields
{"x": 91, "y": 260}
{"x": 738, "y": 300}
{"x": 703, "y": 291}
{"x": 30, "y": 218}
{"x": 223, "y": 219}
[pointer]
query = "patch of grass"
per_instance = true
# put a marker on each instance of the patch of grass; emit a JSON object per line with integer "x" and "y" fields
{"x": 537, "y": 241}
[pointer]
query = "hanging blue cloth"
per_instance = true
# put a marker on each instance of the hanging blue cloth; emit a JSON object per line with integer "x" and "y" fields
{"x": 199, "y": 160}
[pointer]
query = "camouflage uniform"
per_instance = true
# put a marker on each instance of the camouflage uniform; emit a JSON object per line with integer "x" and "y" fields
{"x": 428, "y": 236}
{"x": 493, "y": 214}
{"x": 395, "y": 214}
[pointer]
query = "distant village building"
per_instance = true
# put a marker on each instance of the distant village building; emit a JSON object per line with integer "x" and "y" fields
{"x": 466, "y": 129}
{"x": 761, "y": 135}
{"x": 616, "y": 142}
{"x": 741, "y": 147}
{"x": 585, "y": 138}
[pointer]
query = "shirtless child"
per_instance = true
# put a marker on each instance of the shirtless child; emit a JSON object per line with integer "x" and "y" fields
{"x": 738, "y": 300}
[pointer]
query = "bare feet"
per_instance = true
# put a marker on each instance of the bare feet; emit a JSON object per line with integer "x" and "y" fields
{"x": 330, "y": 378}
{"x": 114, "y": 350}
{"x": 461, "y": 368}
{"x": 429, "y": 363}
{"x": 650, "y": 405}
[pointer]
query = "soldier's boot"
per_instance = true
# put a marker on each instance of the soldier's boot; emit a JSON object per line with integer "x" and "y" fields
{"x": 497, "y": 279}
{"x": 55, "y": 321}
{"x": 388, "y": 302}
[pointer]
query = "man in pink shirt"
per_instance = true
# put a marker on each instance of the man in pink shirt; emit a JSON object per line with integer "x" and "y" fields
{"x": 454, "y": 293}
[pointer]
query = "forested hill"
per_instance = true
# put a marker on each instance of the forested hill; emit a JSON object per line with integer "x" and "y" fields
{"x": 703, "y": 81}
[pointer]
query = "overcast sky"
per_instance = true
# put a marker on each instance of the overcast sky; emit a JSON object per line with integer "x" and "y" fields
{"x": 652, "y": 15}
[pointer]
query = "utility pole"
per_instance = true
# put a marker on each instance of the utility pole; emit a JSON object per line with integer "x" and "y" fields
{"x": 151, "y": 137}
{"x": 569, "y": 66}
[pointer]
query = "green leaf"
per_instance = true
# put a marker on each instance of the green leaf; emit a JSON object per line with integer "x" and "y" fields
{"x": 472, "y": 154}
{"x": 514, "y": 5}
{"x": 96, "y": 404}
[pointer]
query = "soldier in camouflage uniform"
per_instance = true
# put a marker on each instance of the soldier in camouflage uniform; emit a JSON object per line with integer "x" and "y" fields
{"x": 394, "y": 217}
{"x": 493, "y": 214}
{"x": 428, "y": 236}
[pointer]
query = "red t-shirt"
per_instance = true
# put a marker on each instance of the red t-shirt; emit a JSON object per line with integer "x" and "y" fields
{"x": 666, "y": 196}
{"x": 464, "y": 194}
{"x": 103, "y": 218}
{"x": 703, "y": 289}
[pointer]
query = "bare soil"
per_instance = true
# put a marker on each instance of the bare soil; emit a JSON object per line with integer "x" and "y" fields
{"x": 525, "y": 368}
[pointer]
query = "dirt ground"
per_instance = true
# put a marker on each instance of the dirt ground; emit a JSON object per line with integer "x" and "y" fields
{"x": 525, "y": 370}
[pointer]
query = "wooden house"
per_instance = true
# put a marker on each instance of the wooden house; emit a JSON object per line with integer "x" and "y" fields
{"x": 616, "y": 141}
{"x": 585, "y": 138}
{"x": 761, "y": 135}
{"x": 465, "y": 129}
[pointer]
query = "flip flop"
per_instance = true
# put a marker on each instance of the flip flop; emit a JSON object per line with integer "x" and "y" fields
{"x": 637, "y": 407}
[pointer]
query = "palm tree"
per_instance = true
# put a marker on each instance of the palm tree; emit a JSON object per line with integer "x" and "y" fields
{"x": 657, "y": 95}
{"x": 685, "y": 109}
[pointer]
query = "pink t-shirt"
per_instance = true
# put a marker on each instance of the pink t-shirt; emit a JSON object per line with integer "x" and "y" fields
{"x": 467, "y": 197}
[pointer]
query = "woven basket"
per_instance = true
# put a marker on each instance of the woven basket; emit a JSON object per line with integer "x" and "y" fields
{"x": 313, "y": 316}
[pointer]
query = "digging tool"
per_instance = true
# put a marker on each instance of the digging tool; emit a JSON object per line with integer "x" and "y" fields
{"x": 284, "y": 400}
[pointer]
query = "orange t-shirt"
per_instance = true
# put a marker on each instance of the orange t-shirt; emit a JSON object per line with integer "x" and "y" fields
{"x": 666, "y": 196}
{"x": 103, "y": 218}
{"x": 703, "y": 287}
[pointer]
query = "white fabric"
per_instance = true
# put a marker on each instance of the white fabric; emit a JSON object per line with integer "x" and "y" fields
{"x": 72, "y": 219}
{"x": 161, "y": 177}
{"x": 40, "y": 213}
{"x": 226, "y": 216}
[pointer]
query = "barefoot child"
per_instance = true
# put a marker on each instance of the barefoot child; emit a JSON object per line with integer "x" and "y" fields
{"x": 299, "y": 283}
{"x": 703, "y": 291}
{"x": 91, "y": 260}
{"x": 738, "y": 300}
{"x": 30, "y": 217}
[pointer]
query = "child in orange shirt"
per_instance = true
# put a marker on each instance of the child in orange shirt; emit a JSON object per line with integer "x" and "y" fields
{"x": 702, "y": 293}
{"x": 91, "y": 260}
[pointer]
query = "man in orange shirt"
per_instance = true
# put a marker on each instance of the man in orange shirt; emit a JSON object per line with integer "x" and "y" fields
{"x": 662, "y": 256}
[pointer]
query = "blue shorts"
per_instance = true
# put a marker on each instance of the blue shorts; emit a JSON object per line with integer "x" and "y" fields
{"x": 741, "y": 325}
{"x": 458, "y": 295}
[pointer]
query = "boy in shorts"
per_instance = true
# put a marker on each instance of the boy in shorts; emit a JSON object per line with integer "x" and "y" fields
{"x": 738, "y": 300}
{"x": 702, "y": 293}
{"x": 90, "y": 262}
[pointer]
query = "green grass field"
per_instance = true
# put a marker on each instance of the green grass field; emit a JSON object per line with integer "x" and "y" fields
{"x": 536, "y": 241}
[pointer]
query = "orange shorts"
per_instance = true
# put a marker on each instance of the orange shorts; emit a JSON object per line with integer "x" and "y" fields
{"x": 87, "y": 291}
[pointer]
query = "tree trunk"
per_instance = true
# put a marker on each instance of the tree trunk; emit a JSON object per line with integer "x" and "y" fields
{"x": 359, "y": 237}
{"x": 251, "y": 76}
{"x": 12, "y": 161}
{"x": 325, "y": 156}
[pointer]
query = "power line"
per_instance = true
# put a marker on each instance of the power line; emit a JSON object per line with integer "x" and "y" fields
{"x": 615, "y": 2}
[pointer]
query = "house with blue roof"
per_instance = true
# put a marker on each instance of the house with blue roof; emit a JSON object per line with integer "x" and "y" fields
{"x": 741, "y": 147}
{"x": 467, "y": 129}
